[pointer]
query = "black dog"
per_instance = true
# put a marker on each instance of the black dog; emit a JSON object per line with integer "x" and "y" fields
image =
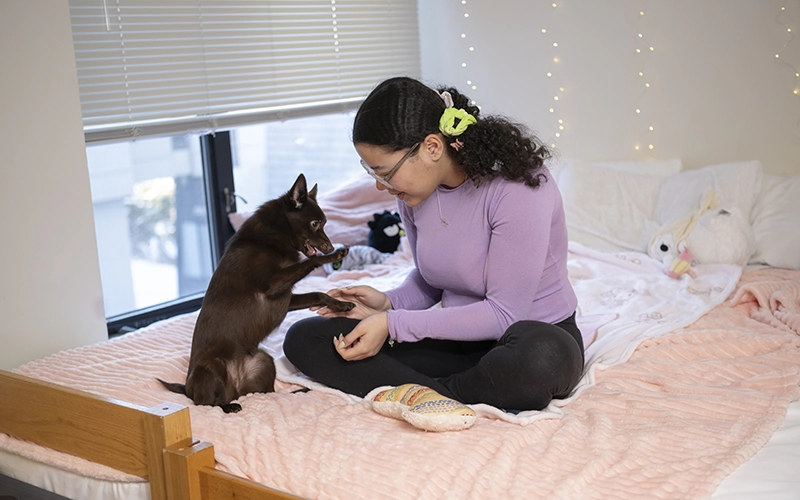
{"x": 249, "y": 295}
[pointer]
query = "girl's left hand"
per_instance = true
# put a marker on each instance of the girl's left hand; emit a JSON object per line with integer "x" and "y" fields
{"x": 365, "y": 340}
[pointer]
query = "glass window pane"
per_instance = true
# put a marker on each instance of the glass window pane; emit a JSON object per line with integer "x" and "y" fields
{"x": 151, "y": 221}
{"x": 268, "y": 157}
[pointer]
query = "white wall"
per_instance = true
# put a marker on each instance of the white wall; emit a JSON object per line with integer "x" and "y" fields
{"x": 717, "y": 93}
{"x": 50, "y": 292}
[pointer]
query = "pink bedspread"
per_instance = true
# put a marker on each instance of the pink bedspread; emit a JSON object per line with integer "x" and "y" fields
{"x": 671, "y": 422}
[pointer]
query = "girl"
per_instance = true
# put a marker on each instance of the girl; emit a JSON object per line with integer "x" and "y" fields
{"x": 486, "y": 226}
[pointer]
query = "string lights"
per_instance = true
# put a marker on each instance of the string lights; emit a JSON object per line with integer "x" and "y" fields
{"x": 781, "y": 58}
{"x": 644, "y": 49}
{"x": 554, "y": 74}
{"x": 470, "y": 48}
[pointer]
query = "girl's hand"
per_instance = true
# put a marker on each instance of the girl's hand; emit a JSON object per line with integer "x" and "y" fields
{"x": 368, "y": 301}
{"x": 366, "y": 339}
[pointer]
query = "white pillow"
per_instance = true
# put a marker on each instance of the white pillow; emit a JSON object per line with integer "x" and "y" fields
{"x": 736, "y": 186}
{"x": 776, "y": 222}
{"x": 611, "y": 206}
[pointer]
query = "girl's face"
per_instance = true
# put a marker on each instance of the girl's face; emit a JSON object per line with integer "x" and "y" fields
{"x": 414, "y": 178}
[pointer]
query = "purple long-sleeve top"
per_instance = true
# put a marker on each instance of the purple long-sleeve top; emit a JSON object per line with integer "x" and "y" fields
{"x": 501, "y": 258}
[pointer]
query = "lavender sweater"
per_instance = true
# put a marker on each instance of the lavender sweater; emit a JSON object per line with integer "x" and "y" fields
{"x": 501, "y": 258}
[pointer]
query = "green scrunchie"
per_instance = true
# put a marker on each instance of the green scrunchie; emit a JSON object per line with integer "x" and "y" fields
{"x": 448, "y": 119}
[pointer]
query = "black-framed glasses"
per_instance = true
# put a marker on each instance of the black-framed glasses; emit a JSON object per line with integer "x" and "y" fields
{"x": 385, "y": 179}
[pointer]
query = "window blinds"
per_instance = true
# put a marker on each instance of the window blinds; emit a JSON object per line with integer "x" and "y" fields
{"x": 150, "y": 67}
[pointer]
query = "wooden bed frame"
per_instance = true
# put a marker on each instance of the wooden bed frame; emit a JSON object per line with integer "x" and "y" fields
{"x": 152, "y": 443}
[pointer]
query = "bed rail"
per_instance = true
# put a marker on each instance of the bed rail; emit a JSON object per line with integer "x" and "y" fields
{"x": 152, "y": 443}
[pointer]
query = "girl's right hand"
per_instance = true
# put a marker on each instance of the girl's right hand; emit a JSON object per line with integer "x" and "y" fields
{"x": 368, "y": 301}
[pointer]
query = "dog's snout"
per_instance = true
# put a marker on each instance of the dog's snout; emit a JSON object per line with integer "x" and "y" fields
{"x": 326, "y": 247}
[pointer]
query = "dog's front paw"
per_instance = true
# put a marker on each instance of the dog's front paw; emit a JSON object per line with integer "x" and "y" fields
{"x": 340, "y": 306}
{"x": 339, "y": 254}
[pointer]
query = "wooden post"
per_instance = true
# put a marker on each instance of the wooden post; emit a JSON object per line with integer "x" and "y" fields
{"x": 182, "y": 465}
{"x": 165, "y": 425}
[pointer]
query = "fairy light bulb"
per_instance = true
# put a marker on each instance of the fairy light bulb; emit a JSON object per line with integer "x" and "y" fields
{"x": 642, "y": 49}
{"x": 558, "y": 88}
{"x": 787, "y": 61}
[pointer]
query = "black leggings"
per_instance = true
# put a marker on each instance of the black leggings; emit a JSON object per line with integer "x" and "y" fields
{"x": 532, "y": 363}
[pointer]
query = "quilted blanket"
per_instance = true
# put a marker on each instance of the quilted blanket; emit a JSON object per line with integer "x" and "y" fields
{"x": 674, "y": 398}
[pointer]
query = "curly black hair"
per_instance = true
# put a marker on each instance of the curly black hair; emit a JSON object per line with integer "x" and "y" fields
{"x": 401, "y": 112}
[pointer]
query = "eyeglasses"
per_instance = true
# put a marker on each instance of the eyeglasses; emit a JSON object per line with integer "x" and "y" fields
{"x": 385, "y": 179}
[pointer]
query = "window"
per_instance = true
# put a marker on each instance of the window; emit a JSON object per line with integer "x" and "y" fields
{"x": 268, "y": 157}
{"x": 187, "y": 103}
{"x": 151, "y": 221}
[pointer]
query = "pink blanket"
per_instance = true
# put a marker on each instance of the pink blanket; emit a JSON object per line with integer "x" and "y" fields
{"x": 671, "y": 422}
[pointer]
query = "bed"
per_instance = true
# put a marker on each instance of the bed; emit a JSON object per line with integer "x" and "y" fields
{"x": 690, "y": 390}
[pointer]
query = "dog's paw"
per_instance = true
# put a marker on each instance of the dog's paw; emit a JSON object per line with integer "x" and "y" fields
{"x": 341, "y": 306}
{"x": 231, "y": 408}
{"x": 339, "y": 254}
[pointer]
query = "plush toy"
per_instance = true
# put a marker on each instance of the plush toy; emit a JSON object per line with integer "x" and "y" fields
{"x": 385, "y": 231}
{"x": 722, "y": 237}
{"x": 423, "y": 408}
{"x": 712, "y": 235}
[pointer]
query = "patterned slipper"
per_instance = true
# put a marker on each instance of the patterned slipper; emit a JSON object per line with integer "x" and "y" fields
{"x": 423, "y": 408}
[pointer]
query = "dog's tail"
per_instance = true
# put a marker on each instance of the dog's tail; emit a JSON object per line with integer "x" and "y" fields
{"x": 179, "y": 388}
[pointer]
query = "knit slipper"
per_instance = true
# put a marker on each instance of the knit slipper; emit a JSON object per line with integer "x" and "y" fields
{"x": 424, "y": 408}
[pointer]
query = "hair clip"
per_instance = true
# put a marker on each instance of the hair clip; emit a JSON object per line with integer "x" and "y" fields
{"x": 457, "y": 145}
{"x": 447, "y": 98}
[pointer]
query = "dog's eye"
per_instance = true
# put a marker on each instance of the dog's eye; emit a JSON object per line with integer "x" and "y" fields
{"x": 314, "y": 224}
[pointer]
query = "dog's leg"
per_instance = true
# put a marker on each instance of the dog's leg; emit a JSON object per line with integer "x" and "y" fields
{"x": 306, "y": 300}
{"x": 283, "y": 280}
{"x": 258, "y": 374}
{"x": 208, "y": 385}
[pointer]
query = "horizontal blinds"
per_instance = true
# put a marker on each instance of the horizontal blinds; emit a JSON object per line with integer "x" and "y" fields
{"x": 155, "y": 67}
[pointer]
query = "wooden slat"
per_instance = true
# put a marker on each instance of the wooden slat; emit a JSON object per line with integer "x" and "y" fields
{"x": 121, "y": 435}
{"x": 218, "y": 485}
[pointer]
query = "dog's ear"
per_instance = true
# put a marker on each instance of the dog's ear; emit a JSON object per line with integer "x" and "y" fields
{"x": 313, "y": 193}
{"x": 296, "y": 197}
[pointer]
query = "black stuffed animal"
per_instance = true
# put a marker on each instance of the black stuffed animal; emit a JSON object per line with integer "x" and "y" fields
{"x": 385, "y": 231}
